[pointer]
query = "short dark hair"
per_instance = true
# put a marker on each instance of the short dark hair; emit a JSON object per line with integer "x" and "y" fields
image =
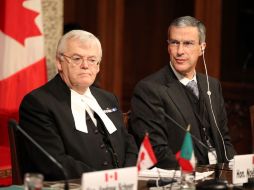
{"x": 190, "y": 21}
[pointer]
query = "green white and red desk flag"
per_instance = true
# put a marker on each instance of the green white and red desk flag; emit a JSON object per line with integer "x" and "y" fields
{"x": 185, "y": 156}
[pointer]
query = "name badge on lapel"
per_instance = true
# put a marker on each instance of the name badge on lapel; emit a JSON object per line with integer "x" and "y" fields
{"x": 110, "y": 110}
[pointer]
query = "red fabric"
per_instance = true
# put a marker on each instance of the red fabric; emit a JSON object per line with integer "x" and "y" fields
{"x": 4, "y": 117}
{"x": 22, "y": 66}
{"x": 5, "y": 166}
{"x": 149, "y": 149}
{"x": 16, "y": 28}
{"x": 22, "y": 60}
{"x": 13, "y": 88}
{"x": 184, "y": 163}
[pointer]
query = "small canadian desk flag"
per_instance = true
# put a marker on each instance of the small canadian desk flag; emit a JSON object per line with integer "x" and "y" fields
{"x": 146, "y": 156}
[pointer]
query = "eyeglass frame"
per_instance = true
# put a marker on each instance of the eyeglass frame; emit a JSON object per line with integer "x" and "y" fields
{"x": 189, "y": 44}
{"x": 82, "y": 59}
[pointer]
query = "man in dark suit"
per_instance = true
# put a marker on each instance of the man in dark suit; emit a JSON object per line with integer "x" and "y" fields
{"x": 170, "y": 93}
{"x": 80, "y": 125}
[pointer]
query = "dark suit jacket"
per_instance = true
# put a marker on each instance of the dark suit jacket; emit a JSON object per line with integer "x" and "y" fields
{"x": 46, "y": 115}
{"x": 162, "y": 94}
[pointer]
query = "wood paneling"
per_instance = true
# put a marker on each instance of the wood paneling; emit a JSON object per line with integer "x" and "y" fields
{"x": 111, "y": 34}
{"x": 209, "y": 12}
{"x": 238, "y": 98}
{"x": 145, "y": 47}
{"x": 237, "y": 41}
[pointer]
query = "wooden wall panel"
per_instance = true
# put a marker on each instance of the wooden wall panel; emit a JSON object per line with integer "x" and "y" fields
{"x": 237, "y": 41}
{"x": 238, "y": 98}
{"x": 145, "y": 47}
{"x": 209, "y": 12}
{"x": 111, "y": 34}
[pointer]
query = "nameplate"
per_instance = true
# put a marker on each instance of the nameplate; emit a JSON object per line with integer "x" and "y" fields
{"x": 115, "y": 179}
{"x": 243, "y": 168}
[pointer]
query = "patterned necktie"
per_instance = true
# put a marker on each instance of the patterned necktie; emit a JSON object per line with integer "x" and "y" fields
{"x": 193, "y": 86}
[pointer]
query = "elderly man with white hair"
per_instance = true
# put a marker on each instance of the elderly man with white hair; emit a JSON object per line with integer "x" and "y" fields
{"x": 80, "y": 125}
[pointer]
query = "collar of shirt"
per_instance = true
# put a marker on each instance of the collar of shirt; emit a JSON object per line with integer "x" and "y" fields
{"x": 80, "y": 96}
{"x": 78, "y": 108}
{"x": 80, "y": 99}
{"x": 181, "y": 78}
{"x": 86, "y": 101}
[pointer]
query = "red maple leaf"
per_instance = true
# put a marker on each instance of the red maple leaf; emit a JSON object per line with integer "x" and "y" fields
{"x": 17, "y": 21}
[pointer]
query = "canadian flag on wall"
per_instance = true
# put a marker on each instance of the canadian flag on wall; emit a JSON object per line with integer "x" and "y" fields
{"x": 22, "y": 59}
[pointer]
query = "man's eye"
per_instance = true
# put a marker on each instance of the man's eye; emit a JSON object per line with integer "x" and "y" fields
{"x": 174, "y": 42}
{"x": 188, "y": 43}
{"x": 92, "y": 60}
{"x": 76, "y": 58}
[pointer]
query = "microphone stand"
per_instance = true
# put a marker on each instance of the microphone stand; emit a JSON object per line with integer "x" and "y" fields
{"x": 13, "y": 123}
{"x": 211, "y": 184}
{"x": 215, "y": 183}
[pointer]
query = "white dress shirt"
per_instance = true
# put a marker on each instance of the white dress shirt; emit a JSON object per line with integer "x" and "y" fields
{"x": 86, "y": 102}
{"x": 183, "y": 79}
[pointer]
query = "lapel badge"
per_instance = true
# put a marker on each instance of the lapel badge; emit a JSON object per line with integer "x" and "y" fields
{"x": 109, "y": 110}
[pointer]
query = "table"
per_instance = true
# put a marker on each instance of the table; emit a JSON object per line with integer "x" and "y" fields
{"x": 223, "y": 172}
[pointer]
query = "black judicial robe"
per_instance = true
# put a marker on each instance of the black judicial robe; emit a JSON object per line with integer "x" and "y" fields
{"x": 46, "y": 115}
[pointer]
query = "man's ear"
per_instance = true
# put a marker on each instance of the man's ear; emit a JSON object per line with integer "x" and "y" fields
{"x": 58, "y": 65}
{"x": 202, "y": 48}
{"x": 98, "y": 67}
{"x": 203, "y": 45}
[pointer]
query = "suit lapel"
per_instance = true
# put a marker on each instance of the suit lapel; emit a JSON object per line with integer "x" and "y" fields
{"x": 64, "y": 97}
{"x": 103, "y": 104}
{"x": 177, "y": 95}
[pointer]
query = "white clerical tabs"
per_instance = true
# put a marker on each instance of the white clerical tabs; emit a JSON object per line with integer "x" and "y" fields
{"x": 115, "y": 179}
{"x": 243, "y": 168}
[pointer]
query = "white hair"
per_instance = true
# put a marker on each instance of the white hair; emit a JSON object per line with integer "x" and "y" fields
{"x": 81, "y": 35}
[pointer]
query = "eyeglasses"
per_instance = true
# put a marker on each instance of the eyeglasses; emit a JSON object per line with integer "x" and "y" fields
{"x": 185, "y": 44}
{"x": 78, "y": 59}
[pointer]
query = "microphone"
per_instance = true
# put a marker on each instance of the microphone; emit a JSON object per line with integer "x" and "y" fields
{"x": 194, "y": 137}
{"x": 13, "y": 123}
{"x": 207, "y": 184}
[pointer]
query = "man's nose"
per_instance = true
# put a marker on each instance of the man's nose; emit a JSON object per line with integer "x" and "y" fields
{"x": 84, "y": 64}
{"x": 180, "y": 49}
